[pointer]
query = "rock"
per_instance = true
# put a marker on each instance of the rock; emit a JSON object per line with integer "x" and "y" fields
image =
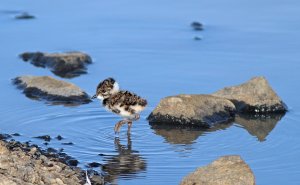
{"x": 197, "y": 38}
{"x": 254, "y": 96}
{"x": 72, "y": 162}
{"x": 94, "y": 165}
{"x": 192, "y": 110}
{"x": 68, "y": 143}
{"x": 59, "y": 137}
{"x": 44, "y": 137}
{"x": 23, "y": 164}
{"x": 197, "y": 26}
{"x": 16, "y": 134}
{"x": 25, "y": 15}
{"x": 227, "y": 170}
{"x": 52, "y": 90}
{"x": 66, "y": 65}
{"x": 258, "y": 126}
{"x": 5, "y": 136}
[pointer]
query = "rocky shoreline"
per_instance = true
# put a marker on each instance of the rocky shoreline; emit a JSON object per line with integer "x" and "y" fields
{"x": 22, "y": 163}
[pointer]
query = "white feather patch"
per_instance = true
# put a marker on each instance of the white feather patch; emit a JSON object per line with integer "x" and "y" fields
{"x": 116, "y": 88}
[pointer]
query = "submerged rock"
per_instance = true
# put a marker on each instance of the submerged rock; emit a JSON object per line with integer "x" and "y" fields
{"x": 197, "y": 26}
{"x": 25, "y": 15}
{"x": 5, "y": 136}
{"x": 254, "y": 96}
{"x": 227, "y": 170}
{"x": 52, "y": 90}
{"x": 192, "y": 110}
{"x": 24, "y": 164}
{"x": 44, "y": 137}
{"x": 66, "y": 65}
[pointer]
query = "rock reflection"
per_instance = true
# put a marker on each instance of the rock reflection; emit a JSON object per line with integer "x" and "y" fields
{"x": 183, "y": 135}
{"x": 126, "y": 164}
{"x": 258, "y": 126}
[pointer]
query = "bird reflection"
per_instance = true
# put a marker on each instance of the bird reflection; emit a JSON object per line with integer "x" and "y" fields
{"x": 258, "y": 126}
{"x": 126, "y": 164}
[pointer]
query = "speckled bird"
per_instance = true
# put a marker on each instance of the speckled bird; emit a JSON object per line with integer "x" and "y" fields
{"x": 124, "y": 103}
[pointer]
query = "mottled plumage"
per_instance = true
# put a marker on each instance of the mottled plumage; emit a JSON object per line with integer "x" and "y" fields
{"x": 124, "y": 103}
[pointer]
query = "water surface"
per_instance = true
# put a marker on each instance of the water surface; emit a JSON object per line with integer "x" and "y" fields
{"x": 150, "y": 49}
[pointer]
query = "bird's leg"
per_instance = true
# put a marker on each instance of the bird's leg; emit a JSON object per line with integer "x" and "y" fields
{"x": 118, "y": 125}
{"x": 136, "y": 117}
{"x": 129, "y": 127}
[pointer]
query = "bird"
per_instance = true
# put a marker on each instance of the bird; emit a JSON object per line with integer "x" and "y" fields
{"x": 124, "y": 103}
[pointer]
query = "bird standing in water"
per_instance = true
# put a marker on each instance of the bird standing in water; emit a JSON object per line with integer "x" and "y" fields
{"x": 124, "y": 103}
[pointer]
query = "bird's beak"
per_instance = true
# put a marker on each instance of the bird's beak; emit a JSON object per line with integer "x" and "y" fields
{"x": 95, "y": 96}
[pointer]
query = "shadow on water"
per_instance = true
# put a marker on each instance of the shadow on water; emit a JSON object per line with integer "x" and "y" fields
{"x": 184, "y": 135}
{"x": 127, "y": 164}
{"x": 258, "y": 126}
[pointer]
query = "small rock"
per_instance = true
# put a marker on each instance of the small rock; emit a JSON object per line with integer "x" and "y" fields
{"x": 227, "y": 170}
{"x": 25, "y": 15}
{"x": 5, "y": 136}
{"x": 44, "y": 137}
{"x": 59, "y": 137}
{"x": 192, "y": 110}
{"x": 197, "y": 26}
{"x": 16, "y": 134}
{"x": 72, "y": 162}
{"x": 66, "y": 65}
{"x": 94, "y": 165}
{"x": 197, "y": 38}
{"x": 68, "y": 143}
{"x": 46, "y": 143}
{"x": 255, "y": 96}
{"x": 52, "y": 90}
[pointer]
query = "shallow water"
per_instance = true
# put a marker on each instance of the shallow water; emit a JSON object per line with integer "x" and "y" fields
{"x": 150, "y": 49}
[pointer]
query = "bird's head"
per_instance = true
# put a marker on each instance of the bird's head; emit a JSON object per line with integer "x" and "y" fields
{"x": 106, "y": 88}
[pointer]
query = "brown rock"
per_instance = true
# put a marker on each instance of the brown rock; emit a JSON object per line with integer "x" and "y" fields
{"x": 192, "y": 110}
{"x": 227, "y": 170}
{"x": 254, "y": 96}
{"x": 52, "y": 90}
{"x": 66, "y": 65}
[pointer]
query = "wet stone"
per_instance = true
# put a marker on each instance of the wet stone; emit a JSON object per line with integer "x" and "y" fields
{"x": 192, "y": 110}
{"x": 94, "y": 165}
{"x": 16, "y": 134}
{"x": 59, "y": 137}
{"x": 5, "y": 136}
{"x": 65, "y": 65}
{"x": 255, "y": 96}
{"x": 67, "y": 143}
{"x": 52, "y": 90}
{"x": 25, "y": 15}
{"x": 44, "y": 137}
{"x": 197, "y": 26}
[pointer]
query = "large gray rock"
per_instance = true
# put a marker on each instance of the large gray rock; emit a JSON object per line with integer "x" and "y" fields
{"x": 66, "y": 65}
{"x": 192, "y": 110}
{"x": 254, "y": 96}
{"x": 50, "y": 89}
{"x": 227, "y": 170}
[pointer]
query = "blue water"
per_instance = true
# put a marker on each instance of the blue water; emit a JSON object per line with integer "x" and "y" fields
{"x": 150, "y": 49}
